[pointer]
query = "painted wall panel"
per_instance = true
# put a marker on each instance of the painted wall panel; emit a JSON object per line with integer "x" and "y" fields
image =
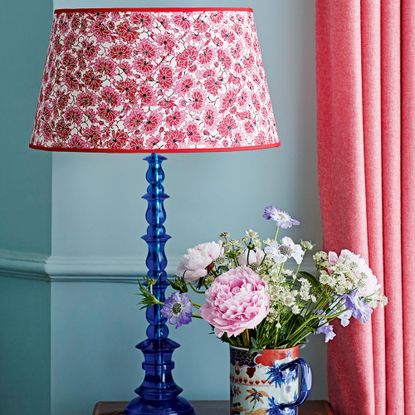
{"x": 25, "y": 175}
{"x": 24, "y": 347}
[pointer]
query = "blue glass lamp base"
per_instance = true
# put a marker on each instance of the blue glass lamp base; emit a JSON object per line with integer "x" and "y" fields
{"x": 158, "y": 394}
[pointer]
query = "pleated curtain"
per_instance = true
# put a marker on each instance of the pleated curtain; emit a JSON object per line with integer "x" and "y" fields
{"x": 365, "y": 53}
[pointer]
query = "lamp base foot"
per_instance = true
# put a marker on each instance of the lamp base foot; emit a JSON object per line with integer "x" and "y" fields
{"x": 177, "y": 406}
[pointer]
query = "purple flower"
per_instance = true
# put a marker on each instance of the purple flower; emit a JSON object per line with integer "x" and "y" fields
{"x": 177, "y": 309}
{"x": 360, "y": 309}
{"x": 283, "y": 219}
{"x": 328, "y": 331}
{"x": 345, "y": 318}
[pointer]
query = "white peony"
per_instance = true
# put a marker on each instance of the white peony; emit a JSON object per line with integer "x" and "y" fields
{"x": 195, "y": 262}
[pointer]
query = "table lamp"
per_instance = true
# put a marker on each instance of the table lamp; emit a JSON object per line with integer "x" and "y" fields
{"x": 154, "y": 80}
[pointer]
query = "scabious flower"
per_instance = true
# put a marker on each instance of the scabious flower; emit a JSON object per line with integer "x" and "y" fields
{"x": 197, "y": 260}
{"x": 284, "y": 251}
{"x": 327, "y": 330}
{"x": 177, "y": 309}
{"x": 237, "y": 300}
{"x": 282, "y": 218}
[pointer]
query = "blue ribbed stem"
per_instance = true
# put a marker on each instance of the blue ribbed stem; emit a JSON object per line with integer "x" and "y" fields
{"x": 158, "y": 394}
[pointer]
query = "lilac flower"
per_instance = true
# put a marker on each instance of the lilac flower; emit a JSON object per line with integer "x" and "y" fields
{"x": 283, "y": 219}
{"x": 345, "y": 318}
{"x": 177, "y": 309}
{"x": 328, "y": 331}
{"x": 360, "y": 309}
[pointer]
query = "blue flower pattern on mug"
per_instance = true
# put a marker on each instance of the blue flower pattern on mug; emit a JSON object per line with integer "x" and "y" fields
{"x": 282, "y": 377}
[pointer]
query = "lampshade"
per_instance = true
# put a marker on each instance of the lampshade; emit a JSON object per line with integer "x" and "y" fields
{"x": 154, "y": 80}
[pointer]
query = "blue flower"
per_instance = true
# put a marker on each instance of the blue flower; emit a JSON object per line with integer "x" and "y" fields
{"x": 177, "y": 309}
{"x": 360, "y": 309}
{"x": 274, "y": 408}
{"x": 283, "y": 219}
{"x": 328, "y": 331}
{"x": 276, "y": 375}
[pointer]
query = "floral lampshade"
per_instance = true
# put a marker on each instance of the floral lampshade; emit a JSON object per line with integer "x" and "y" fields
{"x": 154, "y": 80}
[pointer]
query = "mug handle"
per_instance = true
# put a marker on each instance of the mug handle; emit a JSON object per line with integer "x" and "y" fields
{"x": 305, "y": 385}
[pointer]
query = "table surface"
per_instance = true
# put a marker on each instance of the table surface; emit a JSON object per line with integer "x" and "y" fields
{"x": 214, "y": 408}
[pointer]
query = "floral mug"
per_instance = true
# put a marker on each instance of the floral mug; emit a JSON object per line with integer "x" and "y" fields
{"x": 272, "y": 382}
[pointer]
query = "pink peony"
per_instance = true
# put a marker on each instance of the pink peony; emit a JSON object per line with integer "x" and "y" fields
{"x": 196, "y": 260}
{"x": 236, "y": 301}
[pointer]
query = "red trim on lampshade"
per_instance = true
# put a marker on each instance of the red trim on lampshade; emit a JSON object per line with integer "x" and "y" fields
{"x": 183, "y": 150}
{"x": 155, "y": 9}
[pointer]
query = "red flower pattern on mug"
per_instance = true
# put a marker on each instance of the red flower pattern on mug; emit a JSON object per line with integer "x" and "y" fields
{"x": 131, "y": 80}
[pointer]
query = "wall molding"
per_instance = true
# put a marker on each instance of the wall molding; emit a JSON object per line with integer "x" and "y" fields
{"x": 26, "y": 265}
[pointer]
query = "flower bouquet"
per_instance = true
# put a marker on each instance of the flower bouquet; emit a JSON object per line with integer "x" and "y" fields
{"x": 258, "y": 299}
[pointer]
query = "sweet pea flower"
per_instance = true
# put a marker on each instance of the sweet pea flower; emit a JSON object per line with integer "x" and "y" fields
{"x": 249, "y": 257}
{"x": 360, "y": 309}
{"x": 328, "y": 331}
{"x": 345, "y": 318}
{"x": 282, "y": 218}
{"x": 237, "y": 300}
{"x": 197, "y": 260}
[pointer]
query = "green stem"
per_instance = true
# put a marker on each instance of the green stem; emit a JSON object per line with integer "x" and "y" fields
{"x": 196, "y": 290}
{"x": 276, "y": 233}
{"x": 246, "y": 338}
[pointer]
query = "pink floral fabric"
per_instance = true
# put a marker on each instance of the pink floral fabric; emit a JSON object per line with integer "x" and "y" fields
{"x": 131, "y": 80}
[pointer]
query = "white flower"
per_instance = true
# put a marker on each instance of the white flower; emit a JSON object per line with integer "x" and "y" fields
{"x": 280, "y": 253}
{"x": 250, "y": 257}
{"x": 196, "y": 260}
{"x": 305, "y": 289}
{"x": 295, "y": 309}
{"x": 307, "y": 245}
{"x": 358, "y": 272}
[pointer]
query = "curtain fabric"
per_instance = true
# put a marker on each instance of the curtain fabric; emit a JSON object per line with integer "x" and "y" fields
{"x": 365, "y": 52}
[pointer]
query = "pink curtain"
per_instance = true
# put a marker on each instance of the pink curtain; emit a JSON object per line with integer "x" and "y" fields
{"x": 366, "y": 147}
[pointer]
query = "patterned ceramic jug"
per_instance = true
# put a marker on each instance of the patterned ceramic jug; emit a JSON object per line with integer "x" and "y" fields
{"x": 273, "y": 382}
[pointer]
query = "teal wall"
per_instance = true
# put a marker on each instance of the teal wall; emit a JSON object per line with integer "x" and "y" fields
{"x": 25, "y": 177}
{"x": 24, "y": 347}
{"x": 25, "y": 211}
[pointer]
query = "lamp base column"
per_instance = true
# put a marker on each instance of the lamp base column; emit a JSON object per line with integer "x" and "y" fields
{"x": 158, "y": 394}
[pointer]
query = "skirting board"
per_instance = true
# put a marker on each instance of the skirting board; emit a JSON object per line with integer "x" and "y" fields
{"x": 14, "y": 264}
